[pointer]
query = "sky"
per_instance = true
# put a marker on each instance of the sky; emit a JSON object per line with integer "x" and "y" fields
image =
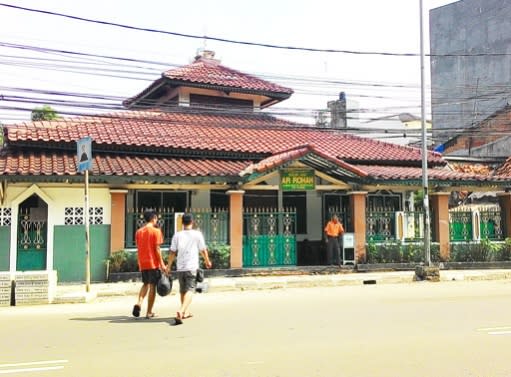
{"x": 375, "y": 85}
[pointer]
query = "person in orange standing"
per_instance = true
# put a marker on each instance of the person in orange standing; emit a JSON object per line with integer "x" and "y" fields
{"x": 150, "y": 262}
{"x": 333, "y": 231}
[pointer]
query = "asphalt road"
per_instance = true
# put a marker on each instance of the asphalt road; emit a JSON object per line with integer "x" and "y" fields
{"x": 417, "y": 329}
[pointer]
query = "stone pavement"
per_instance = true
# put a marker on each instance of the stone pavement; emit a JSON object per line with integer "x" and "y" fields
{"x": 75, "y": 293}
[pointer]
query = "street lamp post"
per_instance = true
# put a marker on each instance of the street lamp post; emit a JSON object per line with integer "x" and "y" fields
{"x": 427, "y": 246}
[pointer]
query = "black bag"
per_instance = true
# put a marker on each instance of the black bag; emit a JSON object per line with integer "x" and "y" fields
{"x": 199, "y": 277}
{"x": 164, "y": 285}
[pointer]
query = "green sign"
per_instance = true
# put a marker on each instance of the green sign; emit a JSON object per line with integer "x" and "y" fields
{"x": 297, "y": 179}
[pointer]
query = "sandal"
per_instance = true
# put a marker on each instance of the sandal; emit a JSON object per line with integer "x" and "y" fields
{"x": 136, "y": 311}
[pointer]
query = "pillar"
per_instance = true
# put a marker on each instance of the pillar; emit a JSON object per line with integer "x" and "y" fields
{"x": 505, "y": 210}
{"x": 236, "y": 227}
{"x": 358, "y": 212}
{"x": 440, "y": 208}
{"x": 118, "y": 219}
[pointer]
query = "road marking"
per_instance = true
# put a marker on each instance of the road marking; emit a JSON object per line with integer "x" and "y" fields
{"x": 494, "y": 328}
{"x": 32, "y": 366}
{"x": 22, "y": 370}
{"x": 502, "y": 330}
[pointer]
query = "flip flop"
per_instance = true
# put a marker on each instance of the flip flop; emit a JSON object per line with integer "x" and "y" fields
{"x": 187, "y": 315}
{"x": 151, "y": 315}
{"x": 136, "y": 311}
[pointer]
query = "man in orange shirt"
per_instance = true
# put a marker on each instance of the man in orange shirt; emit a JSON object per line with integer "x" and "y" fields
{"x": 333, "y": 231}
{"x": 150, "y": 262}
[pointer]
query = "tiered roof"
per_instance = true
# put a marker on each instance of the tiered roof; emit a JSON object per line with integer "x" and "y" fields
{"x": 190, "y": 144}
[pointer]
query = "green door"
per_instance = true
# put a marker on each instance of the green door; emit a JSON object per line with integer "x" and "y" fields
{"x": 32, "y": 235}
{"x": 269, "y": 239}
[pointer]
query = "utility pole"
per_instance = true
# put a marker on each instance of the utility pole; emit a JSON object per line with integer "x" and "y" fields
{"x": 427, "y": 225}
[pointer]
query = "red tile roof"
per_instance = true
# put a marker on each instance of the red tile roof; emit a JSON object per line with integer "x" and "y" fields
{"x": 186, "y": 130}
{"x": 210, "y": 74}
{"x": 505, "y": 169}
{"x": 60, "y": 164}
{"x": 399, "y": 173}
{"x": 209, "y": 71}
{"x": 294, "y": 154}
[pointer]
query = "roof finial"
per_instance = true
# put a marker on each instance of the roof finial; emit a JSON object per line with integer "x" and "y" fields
{"x": 203, "y": 54}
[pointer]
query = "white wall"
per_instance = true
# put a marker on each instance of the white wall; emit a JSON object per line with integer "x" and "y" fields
{"x": 67, "y": 197}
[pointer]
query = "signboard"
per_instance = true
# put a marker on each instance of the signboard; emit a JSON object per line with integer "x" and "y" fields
{"x": 84, "y": 154}
{"x": 297, "y": 179}
{"x": 348, "y": 240}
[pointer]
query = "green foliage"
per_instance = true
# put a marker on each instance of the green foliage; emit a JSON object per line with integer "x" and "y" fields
{"x": 372, "y": 254}
{"x": 123, "y": 261}
{"x": 220, "y": 255}
{"x": 504, "y": 251}
{"x": 44, "y": 113}
{"x": 396, "y": 252}
{"x": 484, "y": 251}
{"x": 412, "y": 253}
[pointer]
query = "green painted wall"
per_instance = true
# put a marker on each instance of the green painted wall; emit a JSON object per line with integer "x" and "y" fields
{"x": 5, "y": 247}
{"x": 69, "y": 252}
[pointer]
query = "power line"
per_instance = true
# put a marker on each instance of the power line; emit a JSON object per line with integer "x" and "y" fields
{"x": 232, "y": 41}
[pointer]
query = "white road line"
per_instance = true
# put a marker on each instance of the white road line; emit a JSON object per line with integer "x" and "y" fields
{"x": 34, "y": 363}
{"x": 494, "y": 328}
{"x": 31, "y": 366}
{"x": 499, "y": 332}
{"x": 22, "y": 370}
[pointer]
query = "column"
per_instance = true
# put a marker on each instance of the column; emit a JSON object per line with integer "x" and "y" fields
{"x": 118, "y": 219}
{"x": 236, "y": 227}
{"x": 505, "y": 211}
{"x": 358, "y": 212}
{"x": 440, "y": 208}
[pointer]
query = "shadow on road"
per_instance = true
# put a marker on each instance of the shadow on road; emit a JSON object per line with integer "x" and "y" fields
{"x": 129, "y": 319}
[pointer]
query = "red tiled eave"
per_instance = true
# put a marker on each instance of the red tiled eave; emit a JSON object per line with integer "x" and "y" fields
{"x": 189, "y": 131}
{"x": 296, "y": 153}
{"x": 48, "y": 164}
{"x": 212, "y": 73}
{"x": 403, "y": 173}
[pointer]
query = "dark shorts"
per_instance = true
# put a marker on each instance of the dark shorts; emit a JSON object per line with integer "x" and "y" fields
{"x": 150, "y": 276}
{"x": 186, "y": 281}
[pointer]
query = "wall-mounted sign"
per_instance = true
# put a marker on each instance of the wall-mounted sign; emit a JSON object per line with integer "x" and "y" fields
{"x": 297, "y": 179}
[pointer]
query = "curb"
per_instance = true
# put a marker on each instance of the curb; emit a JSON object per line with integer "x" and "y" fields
{"x": 73, "y": 293}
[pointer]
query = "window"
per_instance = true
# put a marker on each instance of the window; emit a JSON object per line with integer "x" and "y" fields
{"x": 297, "y": 200}
{"x": 261, "y": 199}
{"x": 219, "y": 199}
{"x": 176, "y": 201}
{"x": 384, "y": 202}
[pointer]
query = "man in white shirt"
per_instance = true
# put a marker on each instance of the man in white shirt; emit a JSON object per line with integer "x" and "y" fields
{"x": 186, "y": 245}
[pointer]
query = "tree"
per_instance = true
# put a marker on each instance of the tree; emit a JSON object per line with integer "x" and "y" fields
{"x": 44, "y": 113}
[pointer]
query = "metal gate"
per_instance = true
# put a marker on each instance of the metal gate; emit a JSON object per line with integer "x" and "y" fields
{"x": 269, "y": 238}
{"x": 32, "y": 234}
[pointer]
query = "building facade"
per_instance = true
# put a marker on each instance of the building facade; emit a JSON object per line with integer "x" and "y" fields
{"x": 197, "y": 139}
{"x": 470, "y": 65}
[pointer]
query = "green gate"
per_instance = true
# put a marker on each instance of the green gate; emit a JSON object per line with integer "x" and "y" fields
{"x": 32, "y": 234}
{"x": 269, "y": 238}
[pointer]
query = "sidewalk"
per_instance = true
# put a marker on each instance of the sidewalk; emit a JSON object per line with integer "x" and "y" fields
{"x": 75, "y": 293}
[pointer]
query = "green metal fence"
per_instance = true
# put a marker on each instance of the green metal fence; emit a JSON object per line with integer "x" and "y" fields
{"x": 484, "y": 223}
{"x": 460, "y": 225}
{"x": 380, "y": 226}
{"x": 213, "y": 223}
{"x": 269, "y": 238}
{"x": 491, "y": 224}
